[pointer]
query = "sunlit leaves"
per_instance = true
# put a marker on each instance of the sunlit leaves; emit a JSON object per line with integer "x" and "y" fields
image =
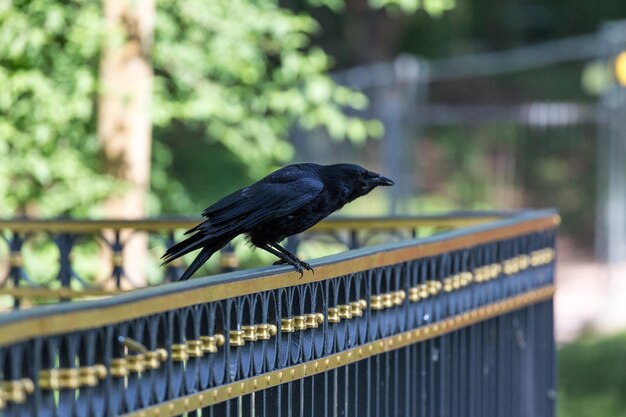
{"x": 48, "y": 70}
{"x": 433, "y": 7}
{"x": 248, "y": 72}
{"x": 245, "y": 71}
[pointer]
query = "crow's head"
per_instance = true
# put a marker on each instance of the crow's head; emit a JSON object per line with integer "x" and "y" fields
{"x": 359, "y": 180}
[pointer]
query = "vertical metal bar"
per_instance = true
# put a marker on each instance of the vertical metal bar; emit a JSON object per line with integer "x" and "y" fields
{"x": 65, "y": 243}
{"x": 464, "y": 376}
{"x": 308, "y": 397}
{"x": 385, "y": 375}
{"x": 173, "y": 269}
{"x": 611, "y": 210}
{"x": 16, "y": 263}
{"x": 404, "y": 388}
{"x": 455, "y": 366}
{"x": 442, "y": 364}
{"x": 343, "y": 405}
{"x": 493, "y": 381}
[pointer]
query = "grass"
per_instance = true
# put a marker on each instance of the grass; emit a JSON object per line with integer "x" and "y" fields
{"x": 592, "y": 378}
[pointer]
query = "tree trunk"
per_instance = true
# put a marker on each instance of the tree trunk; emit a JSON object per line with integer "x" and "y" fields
{"x": 124, "y": 120}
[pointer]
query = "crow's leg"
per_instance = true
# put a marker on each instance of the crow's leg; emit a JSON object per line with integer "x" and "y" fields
{"x": 291, "y": 255}
{"x": 283, "y": 257}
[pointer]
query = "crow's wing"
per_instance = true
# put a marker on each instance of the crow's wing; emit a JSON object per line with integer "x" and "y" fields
{"x": 254, "y": 205}
{"x": 290, "y": 174}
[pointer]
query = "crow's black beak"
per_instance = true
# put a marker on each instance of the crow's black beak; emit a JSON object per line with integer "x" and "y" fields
{"x": 382, "y": 181}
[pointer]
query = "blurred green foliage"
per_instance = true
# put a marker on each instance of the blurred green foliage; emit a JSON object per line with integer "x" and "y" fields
{"x": 483, "y": 25}
{"x": 48, "y": 72}
{"x": 240, "y": 74}
{"x": 542, "y": 167}
{"x": 592, "y": 378}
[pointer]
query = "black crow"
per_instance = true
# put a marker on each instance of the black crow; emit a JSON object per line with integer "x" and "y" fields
{"x": 286, "y": 202}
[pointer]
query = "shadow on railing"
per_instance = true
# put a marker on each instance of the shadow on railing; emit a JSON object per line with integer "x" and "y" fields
{"x": 102, "y": 245}
{"x": 457, "y": 321}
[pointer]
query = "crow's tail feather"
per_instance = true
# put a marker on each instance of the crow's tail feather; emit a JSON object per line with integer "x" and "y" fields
{"x": 184, "y": 247}
{"x": 202, "y": 257}
{"x": 199, "y": 240}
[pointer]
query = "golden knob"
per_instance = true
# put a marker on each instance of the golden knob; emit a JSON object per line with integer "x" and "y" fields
{"x": 399, "y": 297}
{"x": 29, "y": 386}
{"x": 494, "y": 270}
{"x": 236, "y": 338}
{"x": 333, "y": 315}
{"x": 118, "y": 367}
{"x": 135, "y": 363}
{"x": 345, "y": 311}
{"x": 180, "y": 352}
{"x": 376, "y": 302}
{"x": 249, "y": 333}
{"x": 194, "y": 348}
{"x": 388, "y": 300}
{"x": 456, "y": 282}
{"x": 414, "y": 294}
{"x": 355, "y": 309}
{"x": 423, "y": 291}
{"x": 434, "y": 287}
{"x": 313, "y": 320}
{"x": 89, "y": 376}
{"x": 286, "y": 325}
{"x": 524, "y": 262}
{"x": 151, "y": 360}
{"x": 209, "y": 344}
{"x": 262, "y": 331}
{"x": 299, "y": 322}
{"x": 466, "y": 278}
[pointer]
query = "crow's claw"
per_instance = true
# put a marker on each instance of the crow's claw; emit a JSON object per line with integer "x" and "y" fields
{"x": 307, "y": 267}
{"x": 300, "y": 270}
{"x": 297, "y": 265}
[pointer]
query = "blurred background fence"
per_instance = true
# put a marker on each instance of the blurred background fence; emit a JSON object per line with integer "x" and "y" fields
{"x": 490, "y": 130}
{"x": 533, "y": 126}
{"x": 61, "y": 260}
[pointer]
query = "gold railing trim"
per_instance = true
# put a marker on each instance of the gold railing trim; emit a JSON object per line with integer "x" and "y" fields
{"x": 157, "y": 225}
{"x": 15, "y": 391}
{"x": 271, "y": 379}
{"x": 79, "y": 320}
{"x": 55, "y": 293}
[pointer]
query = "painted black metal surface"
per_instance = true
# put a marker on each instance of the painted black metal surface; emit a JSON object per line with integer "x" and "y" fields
{"x": 503, "y": 366}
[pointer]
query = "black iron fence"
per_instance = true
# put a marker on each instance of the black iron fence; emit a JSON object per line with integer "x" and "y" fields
{"x": 109, "y": 241}
{"x": 456, "y": 324}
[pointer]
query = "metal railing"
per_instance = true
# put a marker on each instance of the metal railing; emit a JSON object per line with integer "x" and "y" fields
{"x": 459, "y": 323}
{"x": 112, "y": 236}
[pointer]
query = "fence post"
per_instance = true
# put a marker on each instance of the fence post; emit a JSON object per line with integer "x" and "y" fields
{"x": 611, "y": 209}
{"x": 399, "y": 107}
